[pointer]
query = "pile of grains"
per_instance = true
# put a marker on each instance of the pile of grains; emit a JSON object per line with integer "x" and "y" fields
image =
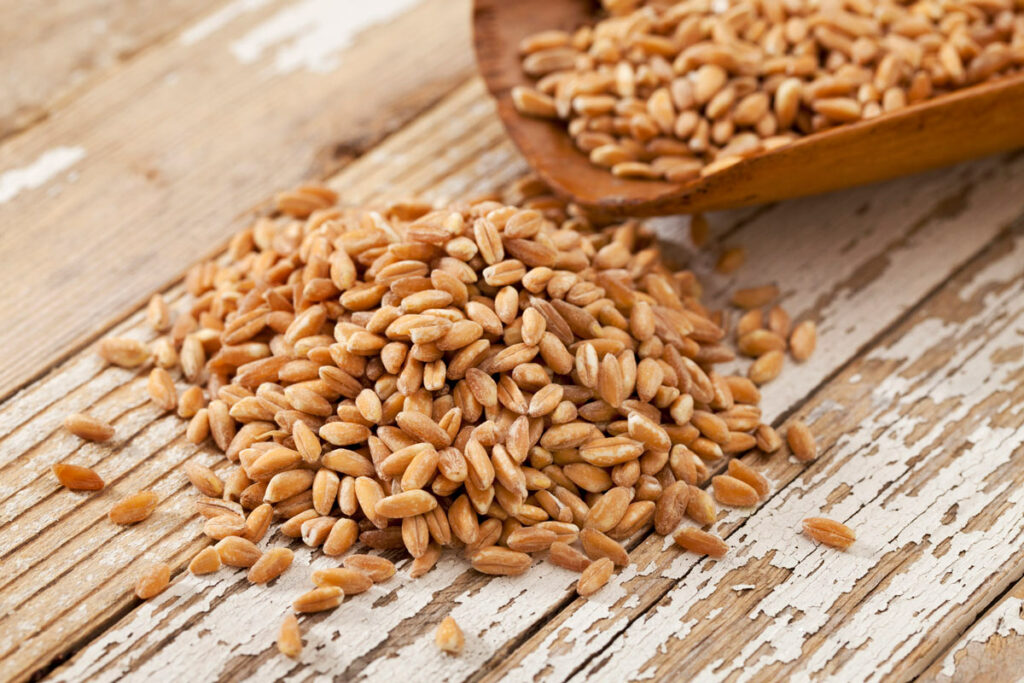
{"x": 503, "y": 381}
{"x": 673, "y": 90}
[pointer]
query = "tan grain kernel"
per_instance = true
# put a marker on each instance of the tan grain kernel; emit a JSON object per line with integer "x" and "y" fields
{"x": 377, "y": 568}
{"x": 732, "y": 491}
{"x": 270, "y": 565}
{"x": 134, "y": 508}
{"x": 449, "y": 637}
{"x": 595, "y": 576}
{"x": 162, "y": 390}
{"x": 803, "y": 340}
{"x": 766, "y": 368}
{"x": 158, "y": 314}
{"x": 204, "y": 479}
{"x": 77, "y": 478}
{"x": 500, "y": 561}
{"x": 319, "y": 600}
{"x": 755, "y": 297}
{"x": 597, "y": 545}
{"x": 289, "y": 637}
{"x": 700, "y": 542}
{"x": 349, "y": 580}
{"x": 801, "y": 441}
{"x": 829, "y": 532}
{"x": 751, "y": 477}
{"x": 236, "y": 551}
{"x": 153, "y": 581}
{"x": 206, "y": 561}
{"x": 88, "y": 427}
{"x": 123, "y": 351}
{"x": 767, "y": 439}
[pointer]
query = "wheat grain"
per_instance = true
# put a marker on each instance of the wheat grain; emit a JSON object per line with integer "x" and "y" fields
{"x": 134, "y": 508}
{"x": 449, "y": 637}
{"x": 508, "y": 380}
{"x": 76, "y": 477}
{"x": 289, "y": 638}
{"x": 675, "y": 90}
{"x": 88, "y": 427}
{"x": 153, "y": 581}
{"x": 829, "y": 532}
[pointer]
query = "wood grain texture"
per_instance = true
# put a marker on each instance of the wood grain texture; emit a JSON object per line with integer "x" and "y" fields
{"x": 172, "y": 147}
{"x": 992, "y": 648}
{"x": 926, "y": 135}
{"x": 857, "y": 260}
{"x": 921, "y": 449}
{"x": 52, "y": 53}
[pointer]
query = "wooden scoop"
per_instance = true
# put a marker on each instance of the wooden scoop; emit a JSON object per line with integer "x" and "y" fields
{"x": 972, "y": 122}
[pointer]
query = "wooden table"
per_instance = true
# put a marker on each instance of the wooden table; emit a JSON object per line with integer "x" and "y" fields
{"x": 133, "y": 138}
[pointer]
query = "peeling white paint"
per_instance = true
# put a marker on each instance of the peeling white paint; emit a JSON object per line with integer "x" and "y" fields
{"x": 41, "y": 171}
{"x": 231, "y": 622}
{"x": 215, "y": 22}
{"x": 310, "y": 33}
{"x": 893, "y": 619}
{"x": 1003, "y": 621}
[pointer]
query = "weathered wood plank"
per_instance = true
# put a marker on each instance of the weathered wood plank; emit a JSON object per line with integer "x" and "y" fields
{"x": 921, "y": 445}
{"x": 69, "y": 571}
{"x": 991, "y": 649}
{"x": 52, "y": 52}
{"x": 116, "y": 193}
{"x": 906, "y": 250}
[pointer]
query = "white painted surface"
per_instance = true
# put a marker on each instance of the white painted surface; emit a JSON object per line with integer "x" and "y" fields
{"x": 1004, "y": 621}
{"x": 41, "y": 171}
{"x": 890, "y": 445}
{"x": 310, "y": 33}
{"x": 493, "y": 613}
{"x": 209, "y": 25}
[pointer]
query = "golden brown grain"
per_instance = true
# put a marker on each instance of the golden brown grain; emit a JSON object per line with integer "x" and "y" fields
{"x": 76, "y": 477}
{"x": 153, "y": 581}
{"x": 206, "y": 561}
{"x": 123, "y": 351}
{"x": 700, "y": 542}
{"x": 496, "y": 378}
{"x": 595, "y": 576}
{"x": 319, "y": 600}
{"x": 449, "y": 637}
{"x": 236, "y": 551}
{"x": 597, "y": 545}
{"x": 134, "y": 508}
{"x": 349, "y": 580}
{"x": 500, "y": 561}
{"x": 751, "y": 477}
{"x": 803, "y": 340}
{"x": 734, "y": 492}
{"x": 162, "y": 390}
{"x": 289, "y": 637}
{"x": 801, "y": 441}
{"x": 377, "y": 568}
{"x": 568, "y": 557}
{"x": 755, "y": 297}
{"x": 88, "y": 427}
{"x": 757, "y": 76}
{"x": 766, "y": 368}
{"x": 700, "y": 507}
{"x": 158, "y": 314}
{"x": 670, "y": 507}
{"x": 829, "y": 532}
{"x": 204, "y": 479}
{"x": 767, "y": 439}
{"x": 270, "y": 565}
